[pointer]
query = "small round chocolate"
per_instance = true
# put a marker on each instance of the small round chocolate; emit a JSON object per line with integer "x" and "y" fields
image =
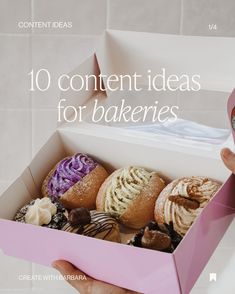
{"x": 79, "y": 216}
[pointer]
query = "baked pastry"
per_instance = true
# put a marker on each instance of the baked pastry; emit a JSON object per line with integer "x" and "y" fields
{"x": 92, "y": 224}
{"x": 182, "y": 201}
{"x": 43, "y": 212}
{"x": 156, "y": 236}
{"x": 129, "y": 195}
{"x": 75, "y": 181}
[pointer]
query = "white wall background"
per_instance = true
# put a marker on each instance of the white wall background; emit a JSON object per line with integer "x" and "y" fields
{"x": 26, "y": 119}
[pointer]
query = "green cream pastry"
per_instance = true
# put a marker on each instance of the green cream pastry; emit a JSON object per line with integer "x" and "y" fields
{"x": 129, "y": 195}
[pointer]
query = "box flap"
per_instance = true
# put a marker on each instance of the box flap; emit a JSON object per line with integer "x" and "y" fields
{"x": 123, "y": 52}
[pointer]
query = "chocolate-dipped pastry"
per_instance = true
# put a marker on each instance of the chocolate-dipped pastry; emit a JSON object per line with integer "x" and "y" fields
{"x": 75, "y": 181}
{"x": 92, "y": 224}
{"x": 43, "y": 212}
{"x": 156, "y": 236}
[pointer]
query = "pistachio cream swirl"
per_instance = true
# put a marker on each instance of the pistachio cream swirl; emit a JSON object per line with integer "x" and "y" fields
{"x": 194, "y": 189}
{"x": 122, "y": 187}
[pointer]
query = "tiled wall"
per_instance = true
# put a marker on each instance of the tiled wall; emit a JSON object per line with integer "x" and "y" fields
{"x": 27, "y": 119}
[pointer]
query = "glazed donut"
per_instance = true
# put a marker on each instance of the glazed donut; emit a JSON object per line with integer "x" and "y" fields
{"x": 92, "y": 224}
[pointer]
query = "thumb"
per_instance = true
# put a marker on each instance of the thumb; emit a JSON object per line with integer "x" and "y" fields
{"x": 72, "y": 275}
{"x": 228, "y": 158}
{"x": 64, "y": 267}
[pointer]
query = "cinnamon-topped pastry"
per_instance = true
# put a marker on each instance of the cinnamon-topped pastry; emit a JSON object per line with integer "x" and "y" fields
{"x": 129, "y": 195}
{"x": 92, "y": 224}
{"x": 75, "y": 181}
{"x": 182, "y": 201}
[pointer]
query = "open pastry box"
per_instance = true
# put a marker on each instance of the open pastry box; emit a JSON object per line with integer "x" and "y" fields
{"x": 142, "y": 270}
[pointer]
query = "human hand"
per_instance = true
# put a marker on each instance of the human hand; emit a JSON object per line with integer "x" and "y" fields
{"x": 86, "y": 284}
{"x": 228, "y": 158}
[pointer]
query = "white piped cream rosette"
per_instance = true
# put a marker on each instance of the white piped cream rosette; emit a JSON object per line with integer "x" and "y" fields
{"x": 41, "y": 212}
{"x": 182, "y": 201}
{"x": 129, "y": 195}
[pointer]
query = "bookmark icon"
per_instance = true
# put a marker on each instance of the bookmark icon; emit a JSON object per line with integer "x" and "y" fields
{"x": 213, "y": 277}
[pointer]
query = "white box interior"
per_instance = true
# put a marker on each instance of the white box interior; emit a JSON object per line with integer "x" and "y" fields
{"x": 113, "y": 153}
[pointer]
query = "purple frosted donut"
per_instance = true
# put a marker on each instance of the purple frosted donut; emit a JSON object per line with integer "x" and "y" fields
{"x": 68, "y": 172}
{"x": 75, "y": 181}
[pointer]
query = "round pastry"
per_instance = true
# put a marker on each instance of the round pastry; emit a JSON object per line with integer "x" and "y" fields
{"x": 129, "y": 195}
{"x": 92, "y": 223}
{"x": 183, "y": 200}
{"x": 43, "y": 212}
{"x": 75, "y": 181}
{"x": 161, "y": 237}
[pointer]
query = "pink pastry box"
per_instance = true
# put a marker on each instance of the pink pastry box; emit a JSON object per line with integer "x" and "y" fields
{"x": 142, "y": 270}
